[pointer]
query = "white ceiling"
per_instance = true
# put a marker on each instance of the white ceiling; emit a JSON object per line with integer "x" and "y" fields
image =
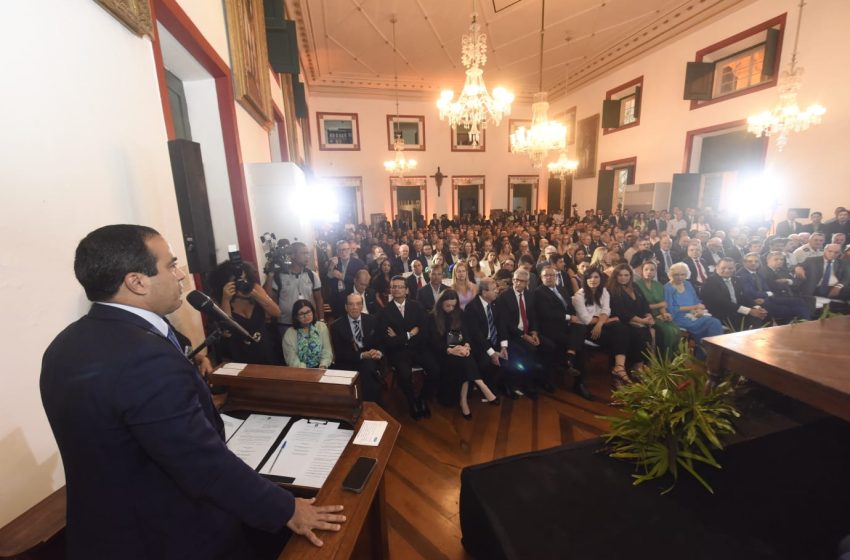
{"x": 346, "y": 45}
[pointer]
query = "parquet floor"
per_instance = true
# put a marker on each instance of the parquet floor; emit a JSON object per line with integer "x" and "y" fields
{"x": 423, "y": 477}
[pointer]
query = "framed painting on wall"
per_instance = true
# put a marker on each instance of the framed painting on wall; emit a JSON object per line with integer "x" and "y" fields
{"x": 587, "y": 138}
{"x": 411, "y": 128}
{"x": 513, "y": 125}
{"x": 134, "y": 14}
{"x": 461, "y": 141}
{"x": 246, "y": 35}
{"x": 338, "y": 131}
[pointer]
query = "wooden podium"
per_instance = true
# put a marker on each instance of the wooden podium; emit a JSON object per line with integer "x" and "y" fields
{"x": 295, "y": 391}
{"x": 270, "y": 389}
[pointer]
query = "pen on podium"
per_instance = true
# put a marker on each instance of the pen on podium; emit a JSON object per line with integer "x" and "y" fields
{"x": 282, "y": 445}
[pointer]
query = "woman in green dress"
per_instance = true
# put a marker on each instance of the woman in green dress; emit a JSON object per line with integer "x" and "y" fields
{"x": 666, "y": 331}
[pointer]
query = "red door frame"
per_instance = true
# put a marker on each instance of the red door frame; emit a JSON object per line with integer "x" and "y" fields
{"x": 177, "y": 22}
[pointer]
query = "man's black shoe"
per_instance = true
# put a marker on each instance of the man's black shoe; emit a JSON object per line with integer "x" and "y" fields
{"x": 424, "y": 409}
{"x": 571, "y": 370}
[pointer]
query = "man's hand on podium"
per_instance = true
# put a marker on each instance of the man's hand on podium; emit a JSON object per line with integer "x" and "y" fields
{"x": 308, "y": 517}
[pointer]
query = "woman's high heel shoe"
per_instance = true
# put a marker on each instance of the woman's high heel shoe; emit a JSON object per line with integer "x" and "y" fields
{"x": 465, "y": 415}
{"x": 495, "y": 402}
{"x": 619, "y": 377}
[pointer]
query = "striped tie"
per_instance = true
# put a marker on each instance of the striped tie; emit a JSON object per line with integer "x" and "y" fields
{"x": 358, "y": 333}
{"x": 491, "y": 325}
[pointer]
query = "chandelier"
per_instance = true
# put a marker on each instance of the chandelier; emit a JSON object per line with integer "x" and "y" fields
{"x": 563, "y": 167}
{"x": 474, "y": 107}
{"x": 787, "y": 117}
{"x": 399, "y": 164}
{"x": 544, "y": 135}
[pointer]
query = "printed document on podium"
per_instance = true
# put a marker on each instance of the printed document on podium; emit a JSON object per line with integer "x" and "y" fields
{"x": 253, "y": 439}
{"x": 308, "y": 452}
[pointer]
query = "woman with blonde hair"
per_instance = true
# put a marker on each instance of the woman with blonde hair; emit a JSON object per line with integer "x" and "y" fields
{"x": 490, "y": 264}
{"x": 466, "y": 289}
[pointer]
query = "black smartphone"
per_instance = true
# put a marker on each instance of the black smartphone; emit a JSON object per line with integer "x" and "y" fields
{"x": 359, "y": 474}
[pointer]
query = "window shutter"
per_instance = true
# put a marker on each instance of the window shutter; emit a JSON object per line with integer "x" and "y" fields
{"x": 685, "y": 191}
{"x": 611, "y": 113}
{"x": 605, "y": 190}
{"x": 638, "y": 100}
{"x": 771, "y": 54}
{"x": 283, "y": 46}
{"x": 300, "y": 99}
{"x": 699, "y": 80}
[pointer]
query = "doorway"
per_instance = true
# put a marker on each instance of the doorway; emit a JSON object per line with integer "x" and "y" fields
{"x": 522, "y": 193}
{"x": 521, "y": 197}
{"x": 467, "y": 200}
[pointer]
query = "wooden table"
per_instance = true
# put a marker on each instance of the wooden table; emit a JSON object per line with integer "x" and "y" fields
{"x": 364, "y": 534}
{"x": 807, "y": 361}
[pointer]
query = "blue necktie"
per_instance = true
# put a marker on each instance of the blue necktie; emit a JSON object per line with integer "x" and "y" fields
{"x": 172, "y": 338}
{"x": 824, "y": 283}
{"x": 358, "y": 333}
{"x": 491, "y": 325}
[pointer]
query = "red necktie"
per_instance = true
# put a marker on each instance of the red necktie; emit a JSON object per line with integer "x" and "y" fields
{"x": 419, "y": 284}
{"x": 701, "y": 272}
{"x": 522, "y": 314}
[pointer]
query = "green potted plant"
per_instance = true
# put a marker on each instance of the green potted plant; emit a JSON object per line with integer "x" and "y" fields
{"x": 671, "y": 419}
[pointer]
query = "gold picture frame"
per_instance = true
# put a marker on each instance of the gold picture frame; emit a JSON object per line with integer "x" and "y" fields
{"x": 134, "y": 14}
{"x": 246, "y": 35}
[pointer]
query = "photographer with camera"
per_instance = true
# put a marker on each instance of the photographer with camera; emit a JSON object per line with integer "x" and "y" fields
{"x": 288, "y": 282}
{"x": 235, "y": 287}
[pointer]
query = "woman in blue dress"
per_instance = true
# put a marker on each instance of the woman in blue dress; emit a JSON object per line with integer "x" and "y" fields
{"x": 687, "y": 310}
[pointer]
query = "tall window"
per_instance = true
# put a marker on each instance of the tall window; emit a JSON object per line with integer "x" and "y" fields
{"x": 740, "y": 71}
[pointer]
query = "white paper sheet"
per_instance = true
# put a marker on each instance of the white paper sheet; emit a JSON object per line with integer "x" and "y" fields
{"x": 231, "y": 424}
{"x": 335, "y": 380}
{"x": 371, "y": 432}
{"x": 340, "y": 373}
{"x": 308, "y": 453}
{"x": 255, "y": 437}
{"x": 234, "y": 365}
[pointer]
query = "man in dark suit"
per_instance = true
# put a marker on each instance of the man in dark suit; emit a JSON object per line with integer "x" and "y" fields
{"x": 479, "y": 317}
{"x": 666, "y": 258}
{"x": 403, "y": 263}
{"x": 561, "y": 339}
{"x": 400, "y": 326}
{"x": 789, "y": 226}
{"x": 518, "y": 336}
{"x": 355, "y": 346}
{"x": 723, "y": 296}
{"x": 428, "y": 295}
{"x": 816, "y": 225}
{"x": 341, "y": 272}
{"x": 362, "y": 288}
{"x": 418, "y": 279}
{"x": 755, "y": 288}
{"x": 147, "y": 469}
{"x": 825, "y": 276}
{"x": 697, "y": 265}
{"x": 841, "y": 224}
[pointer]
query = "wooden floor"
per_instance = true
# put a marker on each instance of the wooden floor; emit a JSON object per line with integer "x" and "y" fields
{"x": 423, "y": 477}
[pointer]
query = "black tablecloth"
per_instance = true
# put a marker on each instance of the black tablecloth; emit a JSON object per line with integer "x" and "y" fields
{"x": 781, "y": 496}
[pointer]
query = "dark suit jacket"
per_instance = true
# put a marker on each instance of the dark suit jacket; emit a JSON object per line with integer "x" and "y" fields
{"x": 148, "y": 473}
{"x": 752, "y": 287}
{"x": 412, "y": 288}
{"x": 371, "y": 300}
{"x": 552, "y": 322}
{"x": 354, "y": 265}
{"x": 475, "y": 321}
{"x": 390, "y": 316}
{"x": 780, "y": 288}
{"x": 425, "y": 297}
{"x": 716, "y": 298}
{"x": 397, "y": 266}
{"x": 784, "y": 229}
{"x": 346, "y": 352}
{"x": 509, "y": 314}
{"x": 663, "y": 276}
{"x": 693, "y": 268}
{"x": 814, "y": 267}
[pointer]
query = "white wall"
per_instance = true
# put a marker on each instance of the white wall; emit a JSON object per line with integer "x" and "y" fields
{"x": 84, "y": 146}
{"x": 496, "y": 163}
{"x": 807, "y": 175}
{"x": 805, "y": 171}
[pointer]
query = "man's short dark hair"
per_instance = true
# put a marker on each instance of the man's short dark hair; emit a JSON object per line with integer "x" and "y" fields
{"x": 399, "y": 278}
{"x": 106, "y": 255}
{"x": 503, "y": 274}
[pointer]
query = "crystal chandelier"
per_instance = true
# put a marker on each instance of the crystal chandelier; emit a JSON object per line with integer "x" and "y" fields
{"x": 787, "y": 117}
{"x": 399, "y": 164}
{"x": 563, "y": 167}
{"x": 544, "y": 135}
{"x": 474, "y": 107}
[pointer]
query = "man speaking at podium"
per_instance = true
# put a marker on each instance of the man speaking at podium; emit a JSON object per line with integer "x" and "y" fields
{"x": 148, "y": 473}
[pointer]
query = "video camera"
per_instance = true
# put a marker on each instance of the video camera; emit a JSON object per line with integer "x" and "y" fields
{"x": 278, "y": 253}
{"x": 238, "y": 267}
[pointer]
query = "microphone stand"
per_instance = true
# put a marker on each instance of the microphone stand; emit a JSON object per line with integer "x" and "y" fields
{"x": 211, "y": 339}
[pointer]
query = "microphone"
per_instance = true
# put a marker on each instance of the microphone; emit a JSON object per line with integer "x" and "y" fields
{"x": 204, "y": 304}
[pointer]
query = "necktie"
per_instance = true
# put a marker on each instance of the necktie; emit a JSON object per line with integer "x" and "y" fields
{"x": 522, "y": 314}
{"x": 407, "y": 266}
{"x": 560, "y": 280}
{"x": 667, "y": 261}
{"x": 172, "y": 338}
{"x": 731, "y": 288}
{"x": 401, "y": 310}
{"x": 491, "y": 326}
{"x": 827, "y": 272}
{"x": 419, "y": 284}
{"x": 759, "y": 285}
{"x": 700, "y": 271}
{"x": 358, "y": 333}
{"x": 559, "y": 296}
